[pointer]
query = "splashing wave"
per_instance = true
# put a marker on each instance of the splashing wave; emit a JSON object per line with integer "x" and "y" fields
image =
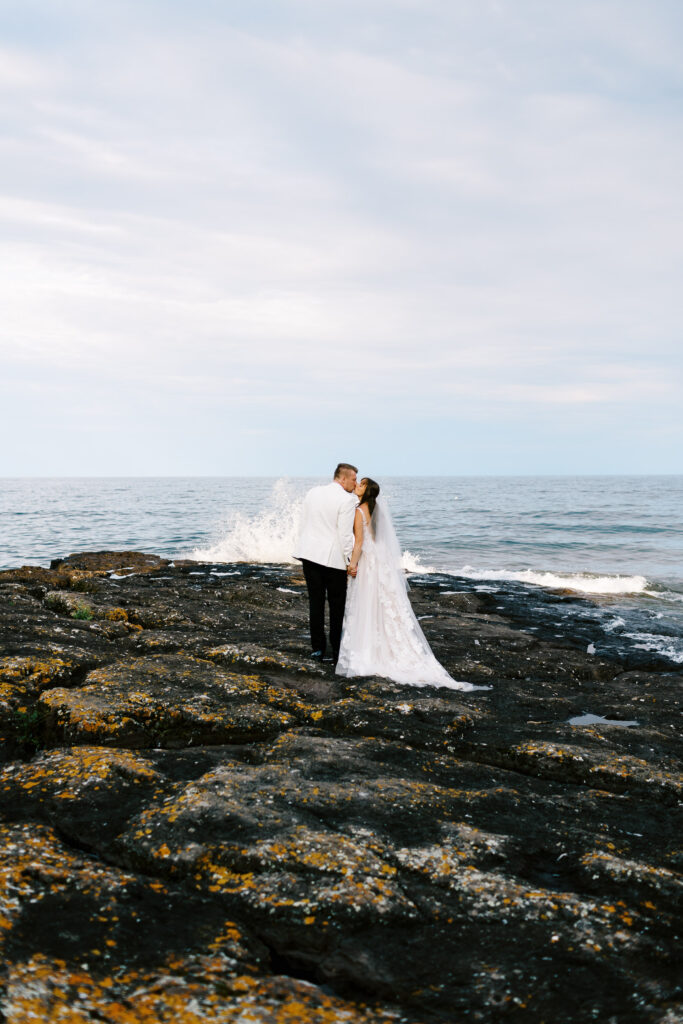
{"x": 268, "y": 536}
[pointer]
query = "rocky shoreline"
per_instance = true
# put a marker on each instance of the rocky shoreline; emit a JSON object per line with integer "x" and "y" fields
{"x": 199, "y": 824}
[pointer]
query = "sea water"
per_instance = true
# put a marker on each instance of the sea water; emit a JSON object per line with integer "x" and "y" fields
{"x": 616, "y": 540}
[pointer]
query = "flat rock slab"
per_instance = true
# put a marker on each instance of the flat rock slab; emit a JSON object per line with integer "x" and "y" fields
{"x": 162, "y": 701}
{"x": 110, "y": 561}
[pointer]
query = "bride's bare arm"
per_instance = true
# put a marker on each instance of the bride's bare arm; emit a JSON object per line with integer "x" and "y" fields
{"x": 357, "y": 541}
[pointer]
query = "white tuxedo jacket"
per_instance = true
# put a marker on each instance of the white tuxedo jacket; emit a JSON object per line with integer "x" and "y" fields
{"x": 326, "y": 534}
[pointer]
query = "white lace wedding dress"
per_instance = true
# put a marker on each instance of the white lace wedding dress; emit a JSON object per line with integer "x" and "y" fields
{"x": 381, "y": 634}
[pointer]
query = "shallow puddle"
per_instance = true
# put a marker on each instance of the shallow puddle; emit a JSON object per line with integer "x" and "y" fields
{"x": 598, "y": 720}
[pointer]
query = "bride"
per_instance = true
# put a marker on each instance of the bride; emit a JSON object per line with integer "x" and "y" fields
{"x": 381, "y": 635}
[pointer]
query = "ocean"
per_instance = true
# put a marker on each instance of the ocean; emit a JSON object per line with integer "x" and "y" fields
{"x": 615, "y": 542}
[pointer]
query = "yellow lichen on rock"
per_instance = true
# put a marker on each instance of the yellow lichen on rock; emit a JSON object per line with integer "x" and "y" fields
{"x": 116, "y": 614}
{"x": 46, "y": 992}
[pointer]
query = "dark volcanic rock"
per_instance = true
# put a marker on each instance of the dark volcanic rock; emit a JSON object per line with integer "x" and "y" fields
{"x": 199, "y": 824}
{"x": 108, "y": 561}
{"x": 161, "y": 701}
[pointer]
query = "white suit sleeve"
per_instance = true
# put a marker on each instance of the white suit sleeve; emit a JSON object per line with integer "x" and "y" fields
{"x": 345, "y": 527}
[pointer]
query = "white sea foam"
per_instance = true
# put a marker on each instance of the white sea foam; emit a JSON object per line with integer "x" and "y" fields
{"x": 668, "y": 595}
{"x": 412, "y": 563}
{"x": 269, "y": 536}
{"x": 584, "y": 583}
{"x": 658, "y": 644}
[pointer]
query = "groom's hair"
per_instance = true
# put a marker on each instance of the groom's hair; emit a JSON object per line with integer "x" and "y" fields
{"x": 344, "y": 467}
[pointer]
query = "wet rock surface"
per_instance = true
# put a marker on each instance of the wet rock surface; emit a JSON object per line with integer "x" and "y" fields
{"x": 200, "y": 824}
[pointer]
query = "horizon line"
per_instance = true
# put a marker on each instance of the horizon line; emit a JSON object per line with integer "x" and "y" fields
{"x": 311, "y": 476}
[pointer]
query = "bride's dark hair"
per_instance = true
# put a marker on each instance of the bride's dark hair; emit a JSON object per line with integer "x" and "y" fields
{"x": 370, "y": 493}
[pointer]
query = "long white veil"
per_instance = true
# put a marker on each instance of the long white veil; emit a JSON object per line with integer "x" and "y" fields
{"x": 386, "y": 542}
{"x": 382, "y": 635}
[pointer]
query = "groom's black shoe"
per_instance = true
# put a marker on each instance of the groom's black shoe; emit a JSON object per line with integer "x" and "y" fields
{"x": 317, "y": 655}
{"x": 328, "y": 659}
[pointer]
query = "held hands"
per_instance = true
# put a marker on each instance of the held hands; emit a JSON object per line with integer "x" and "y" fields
{"x": 351, "y": 569}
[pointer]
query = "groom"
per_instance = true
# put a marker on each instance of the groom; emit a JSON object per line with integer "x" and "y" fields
{"x": 325, "y": 546}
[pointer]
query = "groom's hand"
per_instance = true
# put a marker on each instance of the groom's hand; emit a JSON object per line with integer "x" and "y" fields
{"x": 352, "y": 570}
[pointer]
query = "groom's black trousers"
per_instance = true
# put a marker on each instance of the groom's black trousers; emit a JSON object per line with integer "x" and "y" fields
{"x": 324, "y": 582}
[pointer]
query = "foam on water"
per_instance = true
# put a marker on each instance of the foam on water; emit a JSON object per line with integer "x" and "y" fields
{"x": 269, "y": 536}
{"x": 669, "y": 647}
{"x": 663, "y": 594}
{"x": 613, "y": 624}
{"x": 583, "y": 583}
{"x": 412, "y": 563}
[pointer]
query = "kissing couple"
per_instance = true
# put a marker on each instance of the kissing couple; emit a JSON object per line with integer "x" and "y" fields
{"x": 352, "y": 561}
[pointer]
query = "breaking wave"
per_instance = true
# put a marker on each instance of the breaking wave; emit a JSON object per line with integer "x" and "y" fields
{"x": 269, "y": 536}
{"x": 412, "y": 563}
{"x": 583, "y": 583}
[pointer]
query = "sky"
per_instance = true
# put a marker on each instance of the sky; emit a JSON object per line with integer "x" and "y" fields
{"x": 422, "y": 236}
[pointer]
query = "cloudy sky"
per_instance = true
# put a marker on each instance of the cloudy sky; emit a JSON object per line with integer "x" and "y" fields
{"x": 429, "y": 236}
